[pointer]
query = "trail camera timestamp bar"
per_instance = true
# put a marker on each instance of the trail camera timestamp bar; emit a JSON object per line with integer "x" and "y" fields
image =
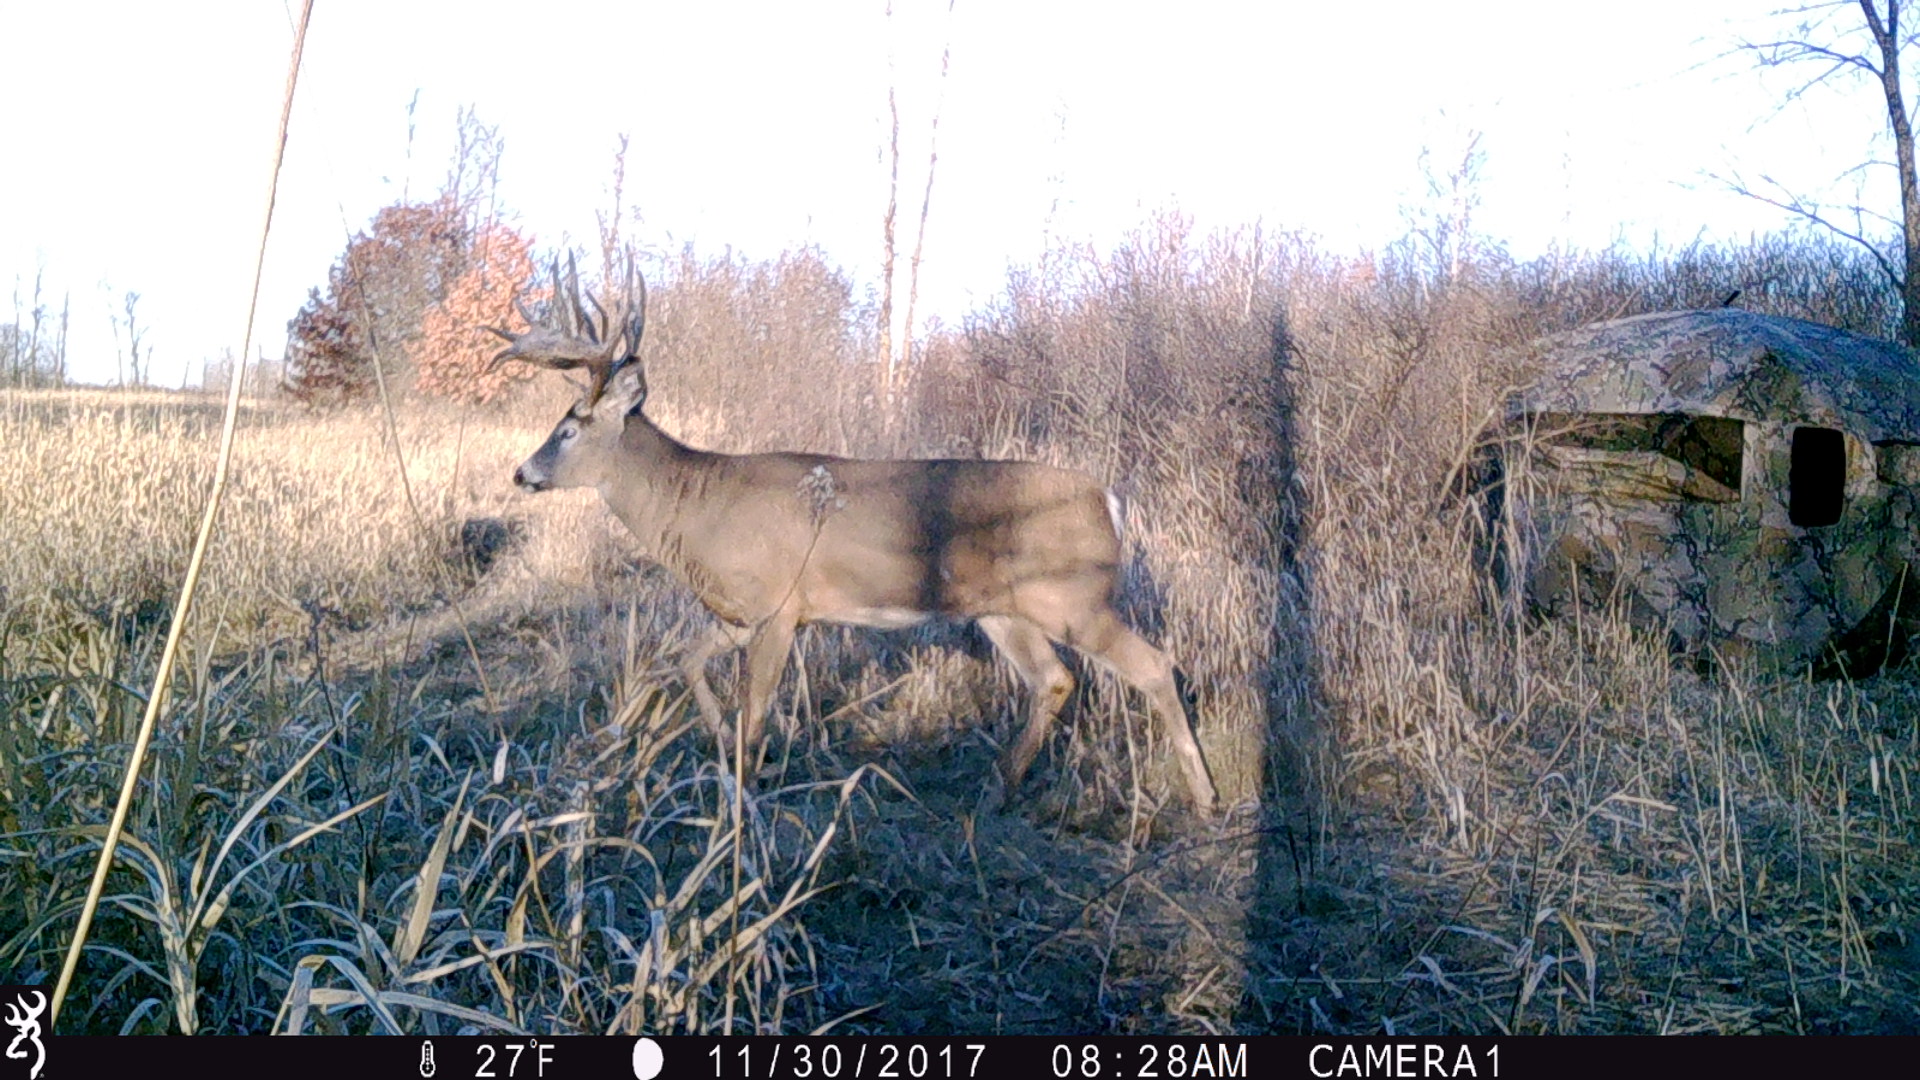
{"x": 983, "y": 1059}
{"x": 1018, "y": 1057}
{"x": 684, "y": 1057}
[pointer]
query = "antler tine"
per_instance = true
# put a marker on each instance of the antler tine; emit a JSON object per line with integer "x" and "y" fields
{"x": 561, "y": 308}
{"x": 601, "y": 325}
{"x": 637, "y": 317}
{"x": 567, "y": 339}
{"x": 511, "y": 339}
{"x": 594, "y": 331}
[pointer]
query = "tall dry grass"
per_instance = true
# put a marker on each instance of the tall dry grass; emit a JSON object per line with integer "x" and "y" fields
{"x": 1448, "y": 819}
{"x": 1595, "y": 839}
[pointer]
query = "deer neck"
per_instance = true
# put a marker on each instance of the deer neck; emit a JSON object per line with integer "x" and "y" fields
{"x": 655, "y": 487}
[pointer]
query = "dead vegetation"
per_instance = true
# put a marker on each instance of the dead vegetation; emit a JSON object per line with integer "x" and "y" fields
{"x": 1447, "y": 820}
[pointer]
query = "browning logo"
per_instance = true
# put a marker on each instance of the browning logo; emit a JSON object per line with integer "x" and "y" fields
{"x": 20, "y": 1009}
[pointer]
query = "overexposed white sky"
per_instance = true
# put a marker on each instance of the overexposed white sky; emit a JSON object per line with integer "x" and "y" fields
{"x": 139, "y": 132}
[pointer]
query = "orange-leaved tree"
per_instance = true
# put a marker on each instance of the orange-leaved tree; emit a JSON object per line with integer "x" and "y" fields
{"x": 377, "y": 293}
{"x": 452, "y": 357}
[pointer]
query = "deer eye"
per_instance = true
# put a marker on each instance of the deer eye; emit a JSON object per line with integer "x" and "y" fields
{"x": 568, "y": 433}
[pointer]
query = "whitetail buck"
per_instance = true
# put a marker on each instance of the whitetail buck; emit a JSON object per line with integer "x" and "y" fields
{"x": 769, "y": 542}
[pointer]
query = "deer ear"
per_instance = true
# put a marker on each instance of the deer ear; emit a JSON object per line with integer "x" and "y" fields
{"x": 626, "y": 391}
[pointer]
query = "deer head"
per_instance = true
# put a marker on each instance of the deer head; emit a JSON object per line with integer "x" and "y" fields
{"x": 606, "y": 347}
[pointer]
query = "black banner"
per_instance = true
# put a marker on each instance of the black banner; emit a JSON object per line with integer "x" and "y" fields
{"x": 988, "y": 1058}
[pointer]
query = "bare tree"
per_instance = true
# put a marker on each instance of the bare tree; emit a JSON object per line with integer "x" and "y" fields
{"x": 886, "y": 230}
{"x": 895, "y": 364}
{"x": 16, "y": 341}
{"x": 37, "y": 313}
{"x": 473, "y": 180}
{"x": 610, "y": 243}
{"x": 60, "y": 343}
{"x": 33, "y": 351}
{"x": 926, "y": 198}
{"x": 1444, "y": 224}
{"x": 1825, "y": 38}
{"x": 217, "y": 371}
{"x": 130, "y": 351}
{"x": 138, "y": 361}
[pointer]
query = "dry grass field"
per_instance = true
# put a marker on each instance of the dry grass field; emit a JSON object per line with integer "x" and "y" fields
{"x": 430, "y": 767}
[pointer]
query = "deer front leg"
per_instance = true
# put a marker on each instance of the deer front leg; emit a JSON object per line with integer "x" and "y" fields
{"x": 766, "y": 660}
{"x": 693, "y": 667}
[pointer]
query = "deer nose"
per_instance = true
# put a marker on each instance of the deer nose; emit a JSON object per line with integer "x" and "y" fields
{"x": 520, "y": 477}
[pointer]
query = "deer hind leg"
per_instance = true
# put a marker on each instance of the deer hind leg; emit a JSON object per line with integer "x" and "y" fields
{"x": 1048, "y": 683}
{"x": 1103, "y": 637}
{"x": 766, "y": 660}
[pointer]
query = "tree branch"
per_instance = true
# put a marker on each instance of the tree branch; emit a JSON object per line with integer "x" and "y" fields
{"x": 1780, "y": 53}
{"x": 1812, "y": 212}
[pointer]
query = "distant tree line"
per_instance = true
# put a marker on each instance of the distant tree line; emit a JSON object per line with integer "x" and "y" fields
{"x": 33, "y": 346}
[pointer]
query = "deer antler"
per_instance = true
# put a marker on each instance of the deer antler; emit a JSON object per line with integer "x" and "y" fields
{"x": 636, "y": 290}
{"x": 582, "y": 340}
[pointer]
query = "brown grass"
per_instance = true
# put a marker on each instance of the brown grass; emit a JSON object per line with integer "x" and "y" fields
{"x": 1446, "y": 821}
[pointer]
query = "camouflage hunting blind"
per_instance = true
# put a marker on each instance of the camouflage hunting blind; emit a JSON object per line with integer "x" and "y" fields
{"x": 1744, "y": 483}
